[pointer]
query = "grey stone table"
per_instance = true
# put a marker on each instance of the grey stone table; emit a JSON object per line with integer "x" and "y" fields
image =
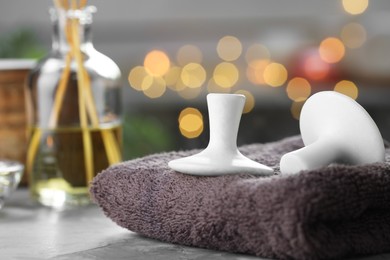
{"x": 29, "y": 231}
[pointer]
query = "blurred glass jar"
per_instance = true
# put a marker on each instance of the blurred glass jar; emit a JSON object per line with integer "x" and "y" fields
{"x": 10, "y": 174}
{"x": 73, "y": 101}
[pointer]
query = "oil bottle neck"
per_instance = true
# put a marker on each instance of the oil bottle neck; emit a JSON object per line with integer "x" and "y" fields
{"x": 72, "y": 29}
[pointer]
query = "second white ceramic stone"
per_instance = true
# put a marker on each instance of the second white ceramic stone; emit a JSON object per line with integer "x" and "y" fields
{"x": 334, "y": 129}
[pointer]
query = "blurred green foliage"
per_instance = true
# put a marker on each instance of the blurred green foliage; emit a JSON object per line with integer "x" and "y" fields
{"x": 143, "y": 135}
{"x": 20, "y": 43}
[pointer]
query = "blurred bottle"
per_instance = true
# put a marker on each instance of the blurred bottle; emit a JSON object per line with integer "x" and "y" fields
{"x": 73, "y": 105}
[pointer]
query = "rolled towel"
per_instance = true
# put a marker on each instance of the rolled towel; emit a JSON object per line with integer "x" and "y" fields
{"x": 329, "y": 213}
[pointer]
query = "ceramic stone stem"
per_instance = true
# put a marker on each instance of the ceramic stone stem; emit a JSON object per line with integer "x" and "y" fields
{"x": 320, "y": 153}
{"x": 224, "y": 116}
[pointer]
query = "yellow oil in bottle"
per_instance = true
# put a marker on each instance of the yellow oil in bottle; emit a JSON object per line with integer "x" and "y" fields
{"x": 58, "y": 174}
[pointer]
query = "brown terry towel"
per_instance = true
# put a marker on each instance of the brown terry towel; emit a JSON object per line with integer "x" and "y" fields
{"x": 329, "y": 213}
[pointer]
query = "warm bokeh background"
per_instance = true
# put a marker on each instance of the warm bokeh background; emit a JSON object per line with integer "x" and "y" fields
{"x": 277, "y": 53}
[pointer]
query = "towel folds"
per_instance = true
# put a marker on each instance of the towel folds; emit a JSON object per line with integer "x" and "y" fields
{"x": 329, "y": 213}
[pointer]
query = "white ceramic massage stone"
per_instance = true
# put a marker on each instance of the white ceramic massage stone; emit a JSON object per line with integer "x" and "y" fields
{"x": 221, "y": 157}
{"x": 334, "y": 129}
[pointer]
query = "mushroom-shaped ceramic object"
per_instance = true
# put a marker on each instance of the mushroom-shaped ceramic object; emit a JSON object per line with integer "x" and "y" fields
{"x": 221, "y": 157}
{"x": 334, "y": 129}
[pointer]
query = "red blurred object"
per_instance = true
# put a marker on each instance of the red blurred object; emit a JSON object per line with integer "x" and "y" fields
{"x": 308, "y": 64}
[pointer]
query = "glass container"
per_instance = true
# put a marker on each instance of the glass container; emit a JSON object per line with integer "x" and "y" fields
{"x": 73, "y": 100}
{"x": 10, "y": 174}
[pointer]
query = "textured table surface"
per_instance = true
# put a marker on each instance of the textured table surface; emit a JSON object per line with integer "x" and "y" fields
{"x": 29, "y": 231}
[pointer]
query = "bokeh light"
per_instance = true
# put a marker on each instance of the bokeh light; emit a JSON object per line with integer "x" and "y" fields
{"x": 172, "y": 76}
{"x": 190, "y": 122}
{"x": 226, "y": 74}
{"x": 193, "y": 75}
{"x": 212, "y": 87}
{"x": 275, "y": 74}
{"x": 249, "y": 101}
{"x": 355, "y": 6}
{"x": 347, "y": 88}
{"x": 255, "y": 71}
{"x": 156, "y": 89}
{"x": 139, "y": 78}
{"x": 189, "y": 93}
{"x": 189, "y": 54}
{"x": 353, "y": 35}
{"x": 229, "y": 48}
{"x": 257, "y": 52}
{"x": 179, "y": 86}
{"x": 296, "y": 109}
{"x": 157, "y": 63}
{"x": 331, "y": 50}
{"x": 298, "y": 89}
